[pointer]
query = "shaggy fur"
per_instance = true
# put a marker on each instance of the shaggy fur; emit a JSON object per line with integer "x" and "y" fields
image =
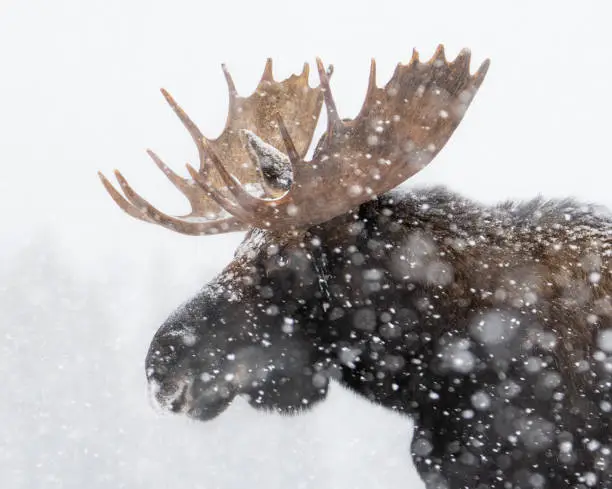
{"x": 487, "y": 325}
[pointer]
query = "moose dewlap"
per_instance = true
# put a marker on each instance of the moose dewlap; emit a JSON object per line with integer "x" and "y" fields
{"x": 490, "y": 326}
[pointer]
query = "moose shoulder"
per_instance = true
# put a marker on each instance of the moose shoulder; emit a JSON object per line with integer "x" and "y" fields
{"x": 489, "y": 326}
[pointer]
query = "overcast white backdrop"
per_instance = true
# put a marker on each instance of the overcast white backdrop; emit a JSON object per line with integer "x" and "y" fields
{"x": 83, "y": 287}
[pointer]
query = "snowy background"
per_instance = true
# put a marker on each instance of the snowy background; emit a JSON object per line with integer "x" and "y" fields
{"x": 83, "y": 287}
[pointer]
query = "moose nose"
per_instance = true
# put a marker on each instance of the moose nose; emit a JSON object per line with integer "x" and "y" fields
{"x": 168, "y": 396}
{"x": 178, "y": 403}
{"x": 168, "y": 389}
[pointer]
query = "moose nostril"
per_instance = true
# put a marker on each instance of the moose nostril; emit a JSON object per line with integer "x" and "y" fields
{"x": 178, "y": 402}
{"x": 167, "y": 389}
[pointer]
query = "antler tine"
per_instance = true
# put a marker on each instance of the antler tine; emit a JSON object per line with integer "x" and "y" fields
{"x": 219, "y": 198}
{"x": 462, "y": 61}
{"x": 294, "y": 157}
{"x": 152, "y": 214}
{"x": 371, "y": 81}
{"x": 194, "y": 130}
{"x": 141, "y": 209}
{"x": 139, "y": 202}
{"x": 439, "y": 57}
{"x": 230, "y": 81}
{"x": 124, "y": 204}
{"x": 244, "y": 199}
{"x": 333, "y": 119}
{"x": 231, "y": 88}
{"x": 179, "y": 182}
{"x": 136, "y": 206}
{"x": 479, "y": 76}
{"x": 200, "y": 205}
{"x": 372, "y": 90}
{"x": 132, "y": 195}
{"x": 268, "y": 75}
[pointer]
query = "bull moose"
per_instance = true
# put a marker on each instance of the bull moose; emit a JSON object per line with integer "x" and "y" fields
{"x": 490, "y": 326}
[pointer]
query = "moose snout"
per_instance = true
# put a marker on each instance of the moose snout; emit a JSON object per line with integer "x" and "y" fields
{"x": 170, "y": 395}
{"x": 193, "y": 398}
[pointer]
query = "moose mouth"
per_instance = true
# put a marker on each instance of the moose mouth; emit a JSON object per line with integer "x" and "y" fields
{"x": 197, "y": 400}
{"x": 206, "y": 403}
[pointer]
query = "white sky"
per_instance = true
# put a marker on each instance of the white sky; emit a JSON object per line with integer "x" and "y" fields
{"x": 79, "y": 92}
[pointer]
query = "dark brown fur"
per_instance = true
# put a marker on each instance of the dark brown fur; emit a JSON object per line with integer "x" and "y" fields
{"x": 481, "y": 323}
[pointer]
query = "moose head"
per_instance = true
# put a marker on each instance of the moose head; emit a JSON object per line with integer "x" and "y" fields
{"x": 491, "y": 326}
{"x": 258, "y": 328}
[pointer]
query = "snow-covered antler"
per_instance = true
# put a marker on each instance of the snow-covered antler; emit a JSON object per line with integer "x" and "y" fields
{"x": 398, "y": 131}
{"x": 292, "y": 98}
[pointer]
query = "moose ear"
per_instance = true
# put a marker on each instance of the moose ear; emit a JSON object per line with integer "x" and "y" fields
{"x": 273, "y": 165}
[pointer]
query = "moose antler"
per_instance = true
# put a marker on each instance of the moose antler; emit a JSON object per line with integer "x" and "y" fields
{"x": 210, "y": 206}
{"x": 398, "y": 131}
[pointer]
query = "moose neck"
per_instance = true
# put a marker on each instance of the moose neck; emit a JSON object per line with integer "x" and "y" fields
{"x": 411, "y": 277}
{"x": 378, "y": 270}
